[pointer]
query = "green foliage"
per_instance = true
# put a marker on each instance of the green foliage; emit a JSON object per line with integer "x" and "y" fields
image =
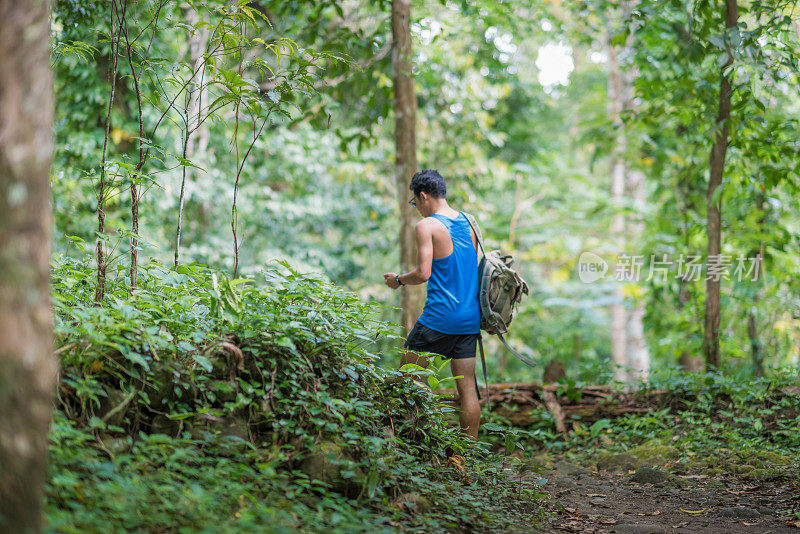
{"x": 224, "y": 394}
{"x": 162, "y": 484}
{"x": 530, "y": 161}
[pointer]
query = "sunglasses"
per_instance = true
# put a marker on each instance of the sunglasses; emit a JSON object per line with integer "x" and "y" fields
{"x": 413, "y": 202}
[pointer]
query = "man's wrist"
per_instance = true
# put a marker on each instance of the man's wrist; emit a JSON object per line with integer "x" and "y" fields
{"x": 397, "y": 279}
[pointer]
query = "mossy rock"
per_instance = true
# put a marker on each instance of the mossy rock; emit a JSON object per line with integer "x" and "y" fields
{"x": 695, "y": 466}
{"x": 774, "y": 458}
{"x": 570, "y": 469}
{"x": 655, "y": 451}
{"x": 757, "y": 473}
{"x": 726, "y": 466}
{"x": 116, "y": 444}
{"x": 648, "y": 475}
{"x": 206, "y": 426}
{"x": 161, "y": 424}
{"x": 414, "y": 502}
{"x": 743, "y": 469}
{"x": 329, "y": 463}
{"x": 618, "y": 462}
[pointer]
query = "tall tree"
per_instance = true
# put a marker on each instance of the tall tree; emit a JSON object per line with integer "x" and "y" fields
{"x": 713, "y": 203}
{"x": 405, "y": 139}
{"x": 629, "y": 351}
{"x": 617, "y": 227}
{"x": 27, "y": 365}
{"x": 636, "y": 343}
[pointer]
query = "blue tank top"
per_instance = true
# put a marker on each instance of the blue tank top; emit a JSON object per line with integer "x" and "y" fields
{"x": 452, "y": 303}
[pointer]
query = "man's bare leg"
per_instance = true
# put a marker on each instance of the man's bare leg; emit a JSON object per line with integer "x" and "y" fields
{"x": 470, "y": 415}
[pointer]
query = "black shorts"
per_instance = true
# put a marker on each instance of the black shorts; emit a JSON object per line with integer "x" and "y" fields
{"x": 455, "y": 346}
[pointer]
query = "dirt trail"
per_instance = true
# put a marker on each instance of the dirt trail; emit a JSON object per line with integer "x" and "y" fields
{"x": 650, "y": 500}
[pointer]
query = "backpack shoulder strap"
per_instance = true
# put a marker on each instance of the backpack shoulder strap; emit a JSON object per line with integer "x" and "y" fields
{"x": 516, "y": 353}
{"x": 475, "y": 228}
{"x": 485, "y": 376}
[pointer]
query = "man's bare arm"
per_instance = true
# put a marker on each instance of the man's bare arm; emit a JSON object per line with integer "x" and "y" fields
{"x": 422, "y": 273}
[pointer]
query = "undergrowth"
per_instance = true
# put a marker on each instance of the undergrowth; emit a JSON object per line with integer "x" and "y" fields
{"x": 200, "y": 403}
{"x": 701, "y": 411}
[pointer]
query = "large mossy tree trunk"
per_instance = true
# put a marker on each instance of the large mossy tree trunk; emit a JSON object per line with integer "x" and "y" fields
{"x": 27, "y": 365}
{"x": 713, "y": 204}
{"x": 405, "y": 138}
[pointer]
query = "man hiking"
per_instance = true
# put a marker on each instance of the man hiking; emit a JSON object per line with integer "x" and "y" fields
{"x": 447, "y": 260}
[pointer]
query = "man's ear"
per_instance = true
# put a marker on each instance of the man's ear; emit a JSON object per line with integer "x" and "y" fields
{"x": 421, "y": 197}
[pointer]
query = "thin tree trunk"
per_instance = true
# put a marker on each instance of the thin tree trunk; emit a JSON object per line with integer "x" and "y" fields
{"x": 619, "y": 357}
{"x": 713, "y": 207}
{"x": 756, "y": 346}
{"x": 194, "y": 146}
{"x": 101, "y": 187}
{"x": 405, "y": 109}
{"x": 181, "y": 198}
{"x": 27, "y": 366}
{"x": 755, "y": 342}
{"x": 234, "y": 213}
{"x": 689, "y": 362}
{"x": 136, "y": 173}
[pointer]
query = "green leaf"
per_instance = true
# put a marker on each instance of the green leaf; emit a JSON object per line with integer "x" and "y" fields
{"x": 203, "y": 362}
{"x": 598, "y": 427}
{"x": 717, "y": 40}
{"x": 511, "y": 442}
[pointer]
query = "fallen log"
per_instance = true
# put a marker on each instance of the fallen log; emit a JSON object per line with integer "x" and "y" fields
{"x": 523, "y": 403}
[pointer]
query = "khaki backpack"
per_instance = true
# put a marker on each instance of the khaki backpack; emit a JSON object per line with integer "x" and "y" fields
{"x": 500, "y": 290}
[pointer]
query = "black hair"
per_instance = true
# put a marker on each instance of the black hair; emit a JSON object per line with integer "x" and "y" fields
{"x": 429, "y": 181}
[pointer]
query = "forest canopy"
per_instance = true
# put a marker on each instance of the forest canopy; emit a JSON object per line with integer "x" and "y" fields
{"x": 232, "y": 135}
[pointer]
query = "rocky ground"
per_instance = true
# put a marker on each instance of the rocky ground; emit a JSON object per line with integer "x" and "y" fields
{"x": 657, "y": 489}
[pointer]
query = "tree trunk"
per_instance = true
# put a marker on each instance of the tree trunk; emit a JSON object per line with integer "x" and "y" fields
{"x": 636, "y": 345}
{"x": 688, "y": 362}
{"x": 756, "y": 346}
{"x": 638, "y": 353}
{"x": 619, "y": 356}
{"x": 27, "y": 367}
{"x": 101, "y": 187}
{"x": 405, "y": 110}
{"x": 713, "y": 207}
{"x": 194, "y": 146}
{"x": 755, "y": 342}
{"x": 134, "y": 268}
